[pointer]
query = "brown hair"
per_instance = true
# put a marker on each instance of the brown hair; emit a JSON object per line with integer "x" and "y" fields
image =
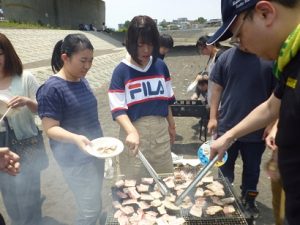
{"x": 145, "y": 28}
{"x": 13, "y": 64}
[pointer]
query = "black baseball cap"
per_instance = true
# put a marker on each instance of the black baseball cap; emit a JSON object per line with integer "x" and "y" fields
{"x": 230, "y": 9}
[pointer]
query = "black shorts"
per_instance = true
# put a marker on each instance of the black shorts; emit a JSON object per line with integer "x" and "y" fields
{"x": 2, "y": 222}
{"x": 289, "y": 164}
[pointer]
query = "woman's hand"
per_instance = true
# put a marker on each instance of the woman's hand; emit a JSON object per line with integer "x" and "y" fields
{"x": 172, "y": 133}
{"x": 18, "y": 101}
{"x": 81, "y": 141}
{"x": 9, "y": 161}
{"x": 133, "y": 141}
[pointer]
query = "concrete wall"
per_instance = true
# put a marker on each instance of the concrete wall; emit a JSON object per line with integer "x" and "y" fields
{"x": 189, "y": 37}
{"x": 62, "y": 13}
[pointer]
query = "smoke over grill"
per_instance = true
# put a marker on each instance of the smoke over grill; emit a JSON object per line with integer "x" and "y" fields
{"x": 219, "y": 218}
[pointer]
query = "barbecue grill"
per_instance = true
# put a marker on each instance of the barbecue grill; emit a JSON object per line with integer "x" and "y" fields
{"x": 192, "y": 108}
{"x": 213, "y": 221}
{"x": 236, "y": 218}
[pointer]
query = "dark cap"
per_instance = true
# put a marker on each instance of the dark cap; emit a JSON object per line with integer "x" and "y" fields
{"x": 230, "y": 10}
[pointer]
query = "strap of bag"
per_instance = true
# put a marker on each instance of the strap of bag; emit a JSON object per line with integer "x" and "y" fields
{"x": 7, "y": 128}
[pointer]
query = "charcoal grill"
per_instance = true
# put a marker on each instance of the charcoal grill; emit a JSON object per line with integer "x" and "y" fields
{"x": 192, "y": 108}
{"x": 236, "y": 218}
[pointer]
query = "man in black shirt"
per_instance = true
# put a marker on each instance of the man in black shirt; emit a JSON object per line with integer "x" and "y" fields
{"x": 270, "y": 29}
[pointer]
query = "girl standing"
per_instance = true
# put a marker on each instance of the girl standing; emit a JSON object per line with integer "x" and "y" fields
{"x": 140, "y": 95}
{"x": 68, "y": 109}
{"x": 21, "y": 194}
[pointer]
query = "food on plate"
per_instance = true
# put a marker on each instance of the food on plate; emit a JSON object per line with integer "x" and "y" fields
{"x": 106, "y": 149}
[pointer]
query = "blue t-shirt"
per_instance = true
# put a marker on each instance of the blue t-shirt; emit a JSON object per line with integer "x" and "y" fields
{"x": 141, "y": 92}
{"x": 74, "y": 105}
{"x": 247, "y": 82}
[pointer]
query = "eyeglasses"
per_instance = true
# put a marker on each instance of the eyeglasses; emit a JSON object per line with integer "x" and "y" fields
{"x": 235, "y": 40}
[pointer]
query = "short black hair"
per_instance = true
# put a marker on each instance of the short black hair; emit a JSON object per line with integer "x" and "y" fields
{"x": 202, "y": 82}
{"x": 166, "y": 40}
{"x": 145, "y": 28}
{"x": 202, "y": 42}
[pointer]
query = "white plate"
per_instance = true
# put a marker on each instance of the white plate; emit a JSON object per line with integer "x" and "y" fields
{"x": 105, "y": 142}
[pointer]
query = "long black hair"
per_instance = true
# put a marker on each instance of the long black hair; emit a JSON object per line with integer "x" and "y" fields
{"x": 145, "y": 28}
{"x": 70, "y": 45}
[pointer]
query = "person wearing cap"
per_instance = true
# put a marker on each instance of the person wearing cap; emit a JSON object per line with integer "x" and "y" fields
{"x": 270, "y": 29}
{"x": 233, "y": 79}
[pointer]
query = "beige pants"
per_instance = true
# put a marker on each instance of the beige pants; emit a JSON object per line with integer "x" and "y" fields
{"x": 154, "y": 144}
{"x": 278, "y": 201}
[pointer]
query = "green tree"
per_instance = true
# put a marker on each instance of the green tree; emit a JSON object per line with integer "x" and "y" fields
{"x": 201, "y": 20}
{"x": 163, "y": 23}
{"x": 126, "y": 24}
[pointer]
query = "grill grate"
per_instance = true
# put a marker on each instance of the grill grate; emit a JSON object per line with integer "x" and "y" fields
{"x": 236, "y": 218}
{"x": 213, "y": 221}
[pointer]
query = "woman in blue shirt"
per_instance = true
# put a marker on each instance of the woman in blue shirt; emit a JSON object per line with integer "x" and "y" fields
{"x": 68, "y": 109}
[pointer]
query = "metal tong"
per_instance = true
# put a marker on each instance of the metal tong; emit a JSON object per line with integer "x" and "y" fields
{"x": 160, "y": 183}
{"x": 198, "y": 177}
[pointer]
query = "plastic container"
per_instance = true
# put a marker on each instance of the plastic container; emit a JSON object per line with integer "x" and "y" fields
{"x": 109, "y": 169}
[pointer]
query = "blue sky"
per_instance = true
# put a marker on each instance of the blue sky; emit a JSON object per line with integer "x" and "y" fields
{"x": 118, "y": 11}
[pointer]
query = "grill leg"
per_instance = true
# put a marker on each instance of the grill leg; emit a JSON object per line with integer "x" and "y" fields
{"x": 200, "y": 127}
{"x": 205, "y": 122}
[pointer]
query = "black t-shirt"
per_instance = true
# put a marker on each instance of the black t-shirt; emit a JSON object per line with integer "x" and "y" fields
{"x": 288, "y": 90}
{"x": 247, "y": 81}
